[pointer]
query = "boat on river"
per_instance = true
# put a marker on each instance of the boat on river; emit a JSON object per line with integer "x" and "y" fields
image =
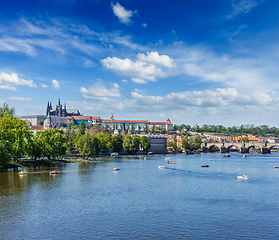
{"x": 115, "y": 154}
{"x": 170, "y": 162}
{"x": 22, "y": 173}
{"x": 205, "y": 165}
{"x": 116, "y": 169}
{"x": 276, "y": 166}
{"x": 243, "y": 177}
{"x": 161, "y": 166}
{"x": 54, "y": 172}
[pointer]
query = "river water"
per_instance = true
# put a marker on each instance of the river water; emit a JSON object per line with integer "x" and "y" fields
{"x": 141, "y": 201}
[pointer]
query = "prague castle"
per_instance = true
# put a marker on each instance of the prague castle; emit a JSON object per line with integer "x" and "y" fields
{"x": 59, "y": 112}
{"x": 61, "y": 116}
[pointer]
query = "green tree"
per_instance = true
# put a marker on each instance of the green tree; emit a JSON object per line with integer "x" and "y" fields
{"x": 144, "y": 143}
{"x": 104, "y": 141}
{"x": 16, "y": 132}
{"x": 34, "y": 147}
{"x": 197, "y": 142}
{"x": 41, "y": 123}
{"x": 82, "y": 128}
{"x": 174, "y": 142}
{"x": 5, "y": 111}
{"x": 117, "y": 143}
{"x": 186, "y": 143}
{"x": 5, "y": 156}
{"x": 128, "y": 143}
{"x": 86, "y": 141}
{"x": 136, "y": 143}
{"x": 53, "y": 143}
{"x": 71, "y": 125}
{"x": 95, "y": 145}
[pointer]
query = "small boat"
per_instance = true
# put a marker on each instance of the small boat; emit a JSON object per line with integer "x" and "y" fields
{"x": 276, "y": 166}
{"x": 244, "y": 156}
{"x": 161, "y": 166}
{"x": 227, "y": 155}
{"x": 243, "y": 177}
{"x": 213, "y": 159}
{"x": 115, "y": 154}
{"x": 150, "y": 153}
{"x": 204, "y": 166}
{"x": 54, "y": 172}
{"x": 116, "y": 169}
{"x": 22, "y": 173}
{"x": 170, "y": 162}
{"x": 167, "y": 158}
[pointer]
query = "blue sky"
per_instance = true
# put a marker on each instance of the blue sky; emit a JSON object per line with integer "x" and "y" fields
{"x": 195, "y": 62}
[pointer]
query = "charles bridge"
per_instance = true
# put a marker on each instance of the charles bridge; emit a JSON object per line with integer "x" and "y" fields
{"x": 243, "y": 147}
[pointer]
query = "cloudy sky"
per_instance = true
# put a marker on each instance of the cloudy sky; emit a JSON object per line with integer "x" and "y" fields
{"x": 195, "y": 62}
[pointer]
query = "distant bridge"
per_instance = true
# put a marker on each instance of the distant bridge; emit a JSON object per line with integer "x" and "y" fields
{"x": 243, "y": 147}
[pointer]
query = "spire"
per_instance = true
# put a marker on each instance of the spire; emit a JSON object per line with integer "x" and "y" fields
{"x": 65, "y": 106}
{"x": 47, "y": 110}
{"x": 50, "y": 106}
{"x": 59, "y": 104}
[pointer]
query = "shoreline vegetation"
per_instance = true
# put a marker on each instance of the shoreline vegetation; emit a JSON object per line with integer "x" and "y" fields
{"x": 18, "y": 143}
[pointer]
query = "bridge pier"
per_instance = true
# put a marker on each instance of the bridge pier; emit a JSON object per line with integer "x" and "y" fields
{"x": 265, "y": 150}
{"x": 224, "y": 149}
{"x": 244, "y": 150}
{"x": 205, "y": 149}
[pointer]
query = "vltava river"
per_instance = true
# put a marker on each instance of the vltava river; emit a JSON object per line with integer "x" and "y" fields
{"x": 141, "y": 201}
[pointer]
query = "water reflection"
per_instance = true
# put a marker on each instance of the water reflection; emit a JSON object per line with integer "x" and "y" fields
{"x": 90, "y": 200}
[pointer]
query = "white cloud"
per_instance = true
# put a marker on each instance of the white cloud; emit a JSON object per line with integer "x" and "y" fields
{"x": 124, "y": 80}
{"x": 44, "y": 86}
{"x": 55, "y": 84}
{"x": 10, "y": 81}
{"x": 20, "y": 99}
{"x": 138, "y": 80}
{"x": 115, "y": 85}
{"x": 100, "y": 92}
{"x": 135, "y": 70}
{"x": 123, "y": 14}
{"x": 220, "y": 97}
{"x": 88, "y": 63}
{"x": 144, "y": 25}
{"x": 244, "y": 6}
{"x": 156, "y": 59}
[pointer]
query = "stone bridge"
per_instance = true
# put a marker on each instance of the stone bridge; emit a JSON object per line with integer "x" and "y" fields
{"x": 243, "y": 147}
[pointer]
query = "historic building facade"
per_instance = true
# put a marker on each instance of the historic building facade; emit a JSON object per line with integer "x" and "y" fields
{"x": 61, "y": 112}
{"x": 168, "y": 126}
{"x": 125, "y": 125}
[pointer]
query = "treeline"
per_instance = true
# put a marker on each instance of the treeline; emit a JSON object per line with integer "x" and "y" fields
{"x": 262, "y": 130}
{"x": 17, "y": 140}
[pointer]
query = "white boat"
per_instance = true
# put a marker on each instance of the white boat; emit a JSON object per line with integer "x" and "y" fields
{"x": 243, "y": 177}
{"x": 115, "y": 154}
{"x": 22, "y": 173}
{"x": 161, "y": 166}
{"x": 150, "y": 153}
{"x": 167, "y": 158}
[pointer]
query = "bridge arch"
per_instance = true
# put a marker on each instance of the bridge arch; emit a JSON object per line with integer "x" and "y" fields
{"x": 271, "y": 147}
{"x": 212, "y": 146}
{"x": 233, "y": 145}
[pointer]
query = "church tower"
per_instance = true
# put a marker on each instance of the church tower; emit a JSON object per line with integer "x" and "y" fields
{"x": 58, "y": 112}
{"x": 64, "y": 111}
{"x": 48, "y": 109}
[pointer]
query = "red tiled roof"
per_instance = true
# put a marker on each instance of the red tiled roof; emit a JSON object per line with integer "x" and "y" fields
{"x": 160, "y": 123}
{"x": 83, "y": 117}
{"x": 139, "y": 121}
{"x": 37, "y": 128}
